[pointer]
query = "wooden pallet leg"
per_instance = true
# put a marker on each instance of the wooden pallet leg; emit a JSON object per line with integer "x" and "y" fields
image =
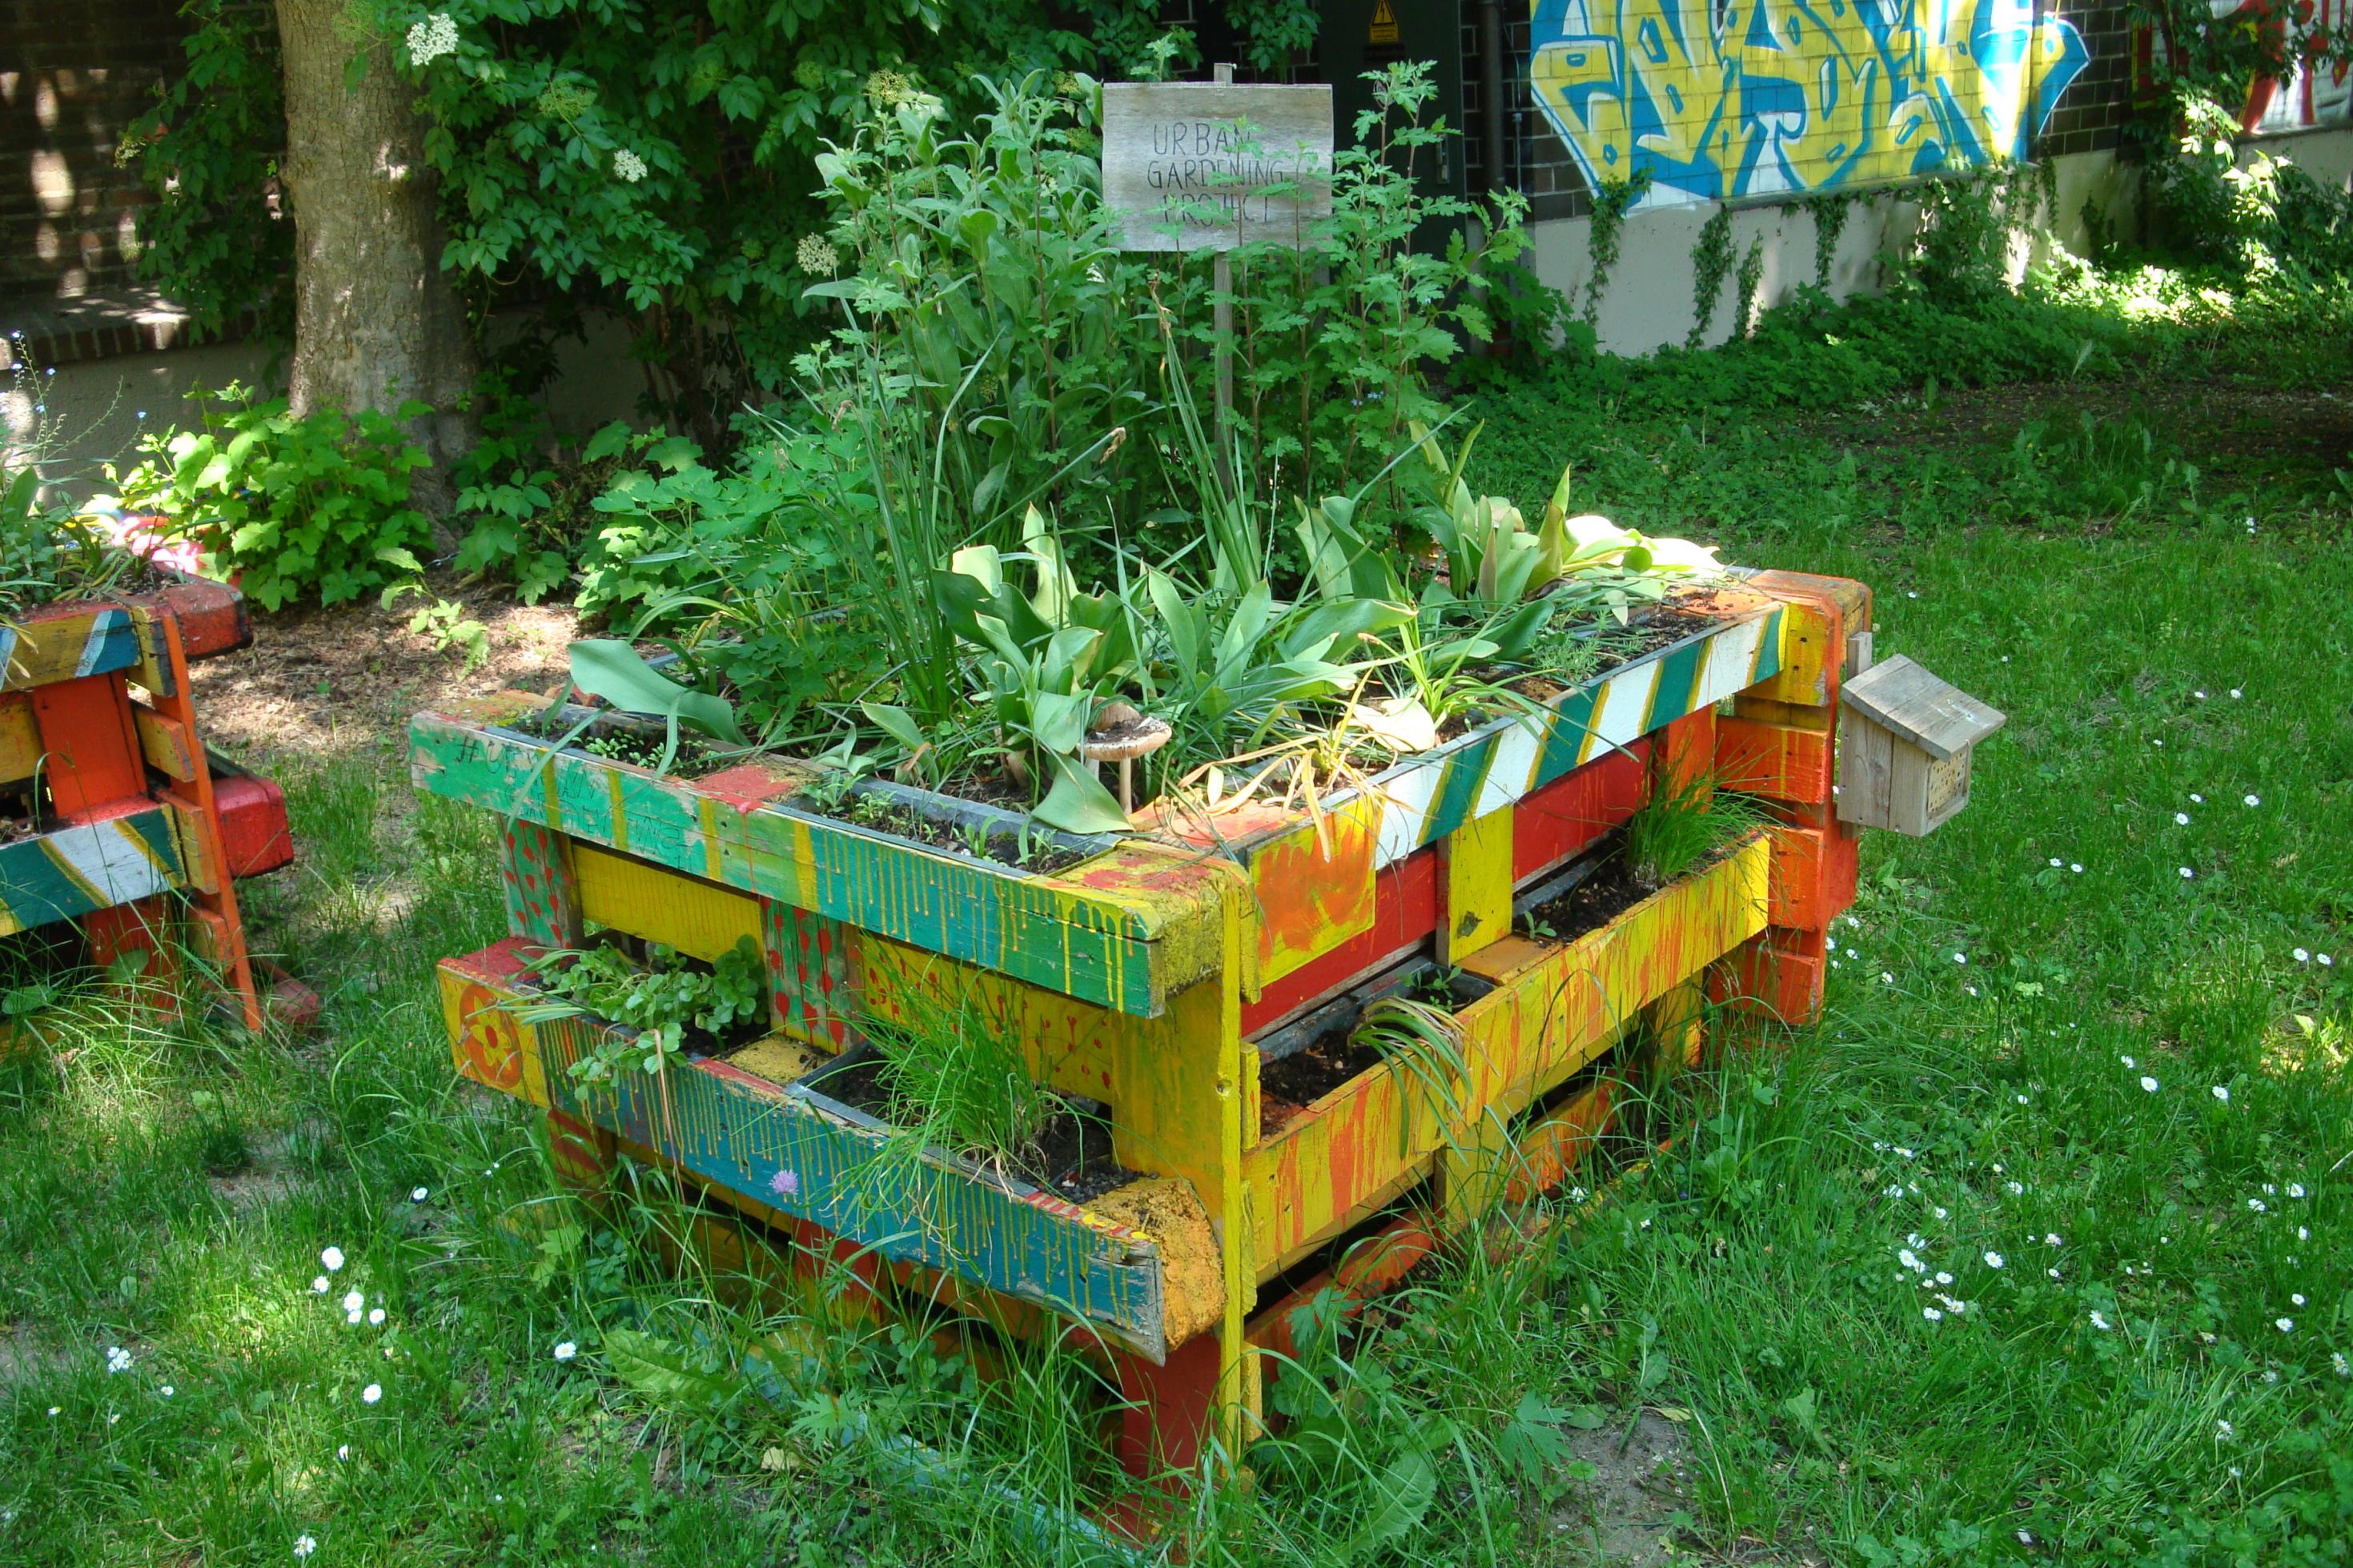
{"x": 1780, "y": 745}
{"x": 218, "y": 930}
{"x": 1171, "y": 1412}
{"x": 543, "y": 896}
{"x": 143, "y": 931}
{"x": 580, "y": 1155}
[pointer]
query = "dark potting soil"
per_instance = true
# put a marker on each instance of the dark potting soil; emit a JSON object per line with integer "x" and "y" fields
{"x": 897, "y": 817}
{"x": 1307, "y": 1076}
{"x": 616, "y": 743}
{"x": 20, "y": 815}
{"x": 1071, "y": 1157}
{"x": 1602, "y": 897}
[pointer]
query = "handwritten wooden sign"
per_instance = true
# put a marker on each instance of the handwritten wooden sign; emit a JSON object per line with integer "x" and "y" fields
{"x": 1200, "y": 165}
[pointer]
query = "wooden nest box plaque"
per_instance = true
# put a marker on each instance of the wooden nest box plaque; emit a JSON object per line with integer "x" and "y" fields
{"x": 1905, "y": 739}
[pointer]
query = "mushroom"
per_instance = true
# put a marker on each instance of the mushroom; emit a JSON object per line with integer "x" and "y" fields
{"x": 1121, "y": 734}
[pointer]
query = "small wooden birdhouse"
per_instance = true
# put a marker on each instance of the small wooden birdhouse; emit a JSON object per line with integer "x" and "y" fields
{"x": 1905, "y": 739}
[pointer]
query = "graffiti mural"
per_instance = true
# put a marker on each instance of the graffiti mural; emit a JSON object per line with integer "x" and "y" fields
{"x": 1720, "y": 99}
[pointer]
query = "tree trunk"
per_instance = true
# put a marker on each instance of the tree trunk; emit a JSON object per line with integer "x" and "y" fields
{"x": 375, "y": 322}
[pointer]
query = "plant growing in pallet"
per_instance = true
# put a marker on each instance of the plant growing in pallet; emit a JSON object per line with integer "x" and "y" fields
{"x": 657, "y": 1002}
{"x": 48, "y": 552}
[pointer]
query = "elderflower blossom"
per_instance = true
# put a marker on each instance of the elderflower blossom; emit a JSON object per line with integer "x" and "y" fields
{"x": 816, "y": 256}
{"x": 627, "y": 167}
{"x": 430, "y": 39}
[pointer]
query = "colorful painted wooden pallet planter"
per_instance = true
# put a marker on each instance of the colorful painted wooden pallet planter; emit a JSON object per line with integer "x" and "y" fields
{"x": 1170, "y": 976}
{"x": 130, "y": 824}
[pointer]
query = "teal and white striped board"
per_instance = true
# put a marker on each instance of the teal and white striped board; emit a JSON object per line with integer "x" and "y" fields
{"x": 1425, "y": 797}
{"x": 96, "y": 866}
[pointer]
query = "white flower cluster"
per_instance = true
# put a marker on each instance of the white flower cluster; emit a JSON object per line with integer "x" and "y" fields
{"x": 430, "y": 39}
{"x": 628, "y": 166}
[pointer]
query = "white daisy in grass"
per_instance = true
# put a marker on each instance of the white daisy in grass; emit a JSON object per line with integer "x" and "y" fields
{"x": 319, "y": 1286}
{"x": 305, "y": 1544}
{"x": 417, "y": 1195}
{"x": 2197, "y": 799}
{"x": 2181, "y": 819}
{"x": 2016, "y": 1189}
{"x": 2128, "y": 1061}
{"x": 117, "y": 1359}
{"x": 2284, "y": 1325}
{"x": 566, "y": 1351}
{"x": 2300, "y": 955}
{"x": 2100, "y": 1320}
{"x": 2224, "y": 1431}
{"x": 1993, "y": 1259}
{"x": 2187, "y": 873}
{"x": 2056, "y": 862}
{"x": 1943, "y": 1277}
{"x": 2222, "y": 1093}
{"x": 1960, "y": 958}
{"x": 2149, "y": 1083}
{"x": 2052, "y": 1272}
{"x": 353, "y": 1300}
{"x": 331, "y": 1259}
{"x": 2295, "y": 1299}
{"x": 2336, "y": 1359}
{"x": 2295, "y": 1189}
{"x": 2234, "y": 692}
{"x": 2075, "y": 866}
{"x": 371, "y": 1394}
{"x": 375, "y": 1316}
{"x": 1933, "y": 1315}
{"x": 2254, "y": 800}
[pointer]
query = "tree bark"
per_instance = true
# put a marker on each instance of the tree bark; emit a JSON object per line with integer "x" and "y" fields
{"x": 375, "y": 322}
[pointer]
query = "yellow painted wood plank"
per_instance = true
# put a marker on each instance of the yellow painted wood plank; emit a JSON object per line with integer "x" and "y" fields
{"x": 165, "y": 742}
{"x": 1477, "y": 857}
{"x": 20, "y": 737}
{"x": 698, "y": 918}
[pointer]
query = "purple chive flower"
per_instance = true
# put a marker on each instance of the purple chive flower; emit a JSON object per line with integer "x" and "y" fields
{"x": 784, "y": 1184}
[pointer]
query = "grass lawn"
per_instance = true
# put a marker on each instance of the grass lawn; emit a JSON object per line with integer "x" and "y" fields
{"x": 2036, "y": 1249}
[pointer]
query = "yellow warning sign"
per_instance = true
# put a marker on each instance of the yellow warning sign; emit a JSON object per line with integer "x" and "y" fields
{"x": 1384, "y": 30}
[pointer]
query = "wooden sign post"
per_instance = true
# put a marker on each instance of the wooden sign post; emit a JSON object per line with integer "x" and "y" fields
{"x": 1208, "y": 165}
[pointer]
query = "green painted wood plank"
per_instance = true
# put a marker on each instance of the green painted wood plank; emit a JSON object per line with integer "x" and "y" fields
{"x": 74, "y": 871}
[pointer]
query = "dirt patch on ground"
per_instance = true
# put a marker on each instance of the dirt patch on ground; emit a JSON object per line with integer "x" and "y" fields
{"x": 24, "y": 1359}
{"x": 2218, "y": 422}
{"x": 1634, "y": 1511}
{"x": 325, "y": 681}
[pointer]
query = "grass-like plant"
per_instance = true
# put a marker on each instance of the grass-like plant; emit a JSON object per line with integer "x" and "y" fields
{"x": 1685, "y": 823}
{"x": 956, "y": 1076}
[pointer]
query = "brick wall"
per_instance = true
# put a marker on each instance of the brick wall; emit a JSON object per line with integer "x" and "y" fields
{"x": 2089, "y": 116}
{"x": 72, "y": 74}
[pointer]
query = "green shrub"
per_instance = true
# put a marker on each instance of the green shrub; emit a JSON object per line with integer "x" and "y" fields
{"x": 292, "y": 505}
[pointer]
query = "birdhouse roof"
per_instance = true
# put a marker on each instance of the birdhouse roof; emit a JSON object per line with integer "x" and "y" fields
{"x": 1939, "y": 717}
